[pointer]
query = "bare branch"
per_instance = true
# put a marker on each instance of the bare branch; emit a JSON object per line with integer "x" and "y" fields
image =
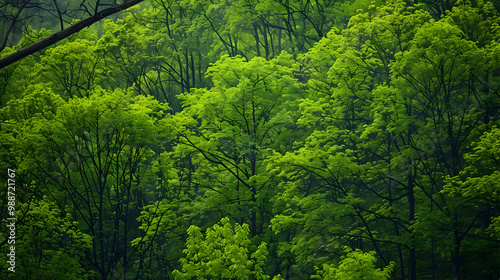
{"x": 12, "y": 24}
{"x": 59, "y": 15}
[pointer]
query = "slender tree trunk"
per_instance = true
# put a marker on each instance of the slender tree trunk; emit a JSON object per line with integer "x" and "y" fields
{"x": 104, "y": 272}
{"x": 266, "y": 42}
{"x": 186, "y": 56}
{"x": 411, "y": 206}
{"x": 279, "y": 41}
{"x": 257, "y": 41}
{"x": 456, "y": 250}
{"x": 253, "y": 160}
{"x": 200, "y": 75}
{"x": 181, "y": 73}
{"x": 433, "y": 265}
{"x": 193, "y": 71}
{"x": 396, "y": 226}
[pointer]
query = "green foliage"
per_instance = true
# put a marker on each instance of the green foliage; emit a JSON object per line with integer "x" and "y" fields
{"x": 223, "y": 252}
{"x": 49, "y": 244}
{"x": 92, "y": 151}
{"x": 391, "y": 109}
{"x": 356, "y": 265}
{"x": 313, "y": 126}
{"x": 228, "y": 131}
{"x": 73, "y": 66}
{"x": 479, "y": 180}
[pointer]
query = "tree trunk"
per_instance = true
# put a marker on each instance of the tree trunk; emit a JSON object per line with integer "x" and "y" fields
{"x": 257, "y": 40}
{"x": 411, "y": 206}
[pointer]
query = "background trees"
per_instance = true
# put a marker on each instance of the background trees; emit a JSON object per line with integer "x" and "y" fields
{"x": 259, "y": 139}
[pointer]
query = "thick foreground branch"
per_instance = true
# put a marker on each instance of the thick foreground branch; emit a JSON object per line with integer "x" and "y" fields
{"x": 56, "y": 37}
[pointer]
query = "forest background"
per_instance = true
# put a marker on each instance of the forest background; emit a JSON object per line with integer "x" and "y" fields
{"x": 253, "y": 139}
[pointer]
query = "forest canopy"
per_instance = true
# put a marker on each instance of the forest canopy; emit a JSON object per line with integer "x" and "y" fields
{"x": 252, "y": 139}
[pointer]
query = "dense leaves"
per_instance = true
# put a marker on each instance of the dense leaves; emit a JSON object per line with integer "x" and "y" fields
{"x": 259, "y": 139}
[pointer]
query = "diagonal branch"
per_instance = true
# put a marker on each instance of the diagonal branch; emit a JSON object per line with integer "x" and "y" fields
{"x": 56, "y": 37}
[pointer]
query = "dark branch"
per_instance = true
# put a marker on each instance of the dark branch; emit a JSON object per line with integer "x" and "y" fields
{"x": 12, "y": 24}
{"x": 56, "y": 37}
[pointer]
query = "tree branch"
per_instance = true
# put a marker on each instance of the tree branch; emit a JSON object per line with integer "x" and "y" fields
{"x": 12, "y": 24}
{"x": 56, "y": 37}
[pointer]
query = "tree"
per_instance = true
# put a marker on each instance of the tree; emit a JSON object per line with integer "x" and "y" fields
{"x": 91, "y": 151}
{"x": 246, "y": 113}
{"x": 49, "y": 244}
{"x": 223, "y": 253}
{"x": 478, "y": 181}
{"x": 385, "y": 136}
{"x": 356, "y": 265}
